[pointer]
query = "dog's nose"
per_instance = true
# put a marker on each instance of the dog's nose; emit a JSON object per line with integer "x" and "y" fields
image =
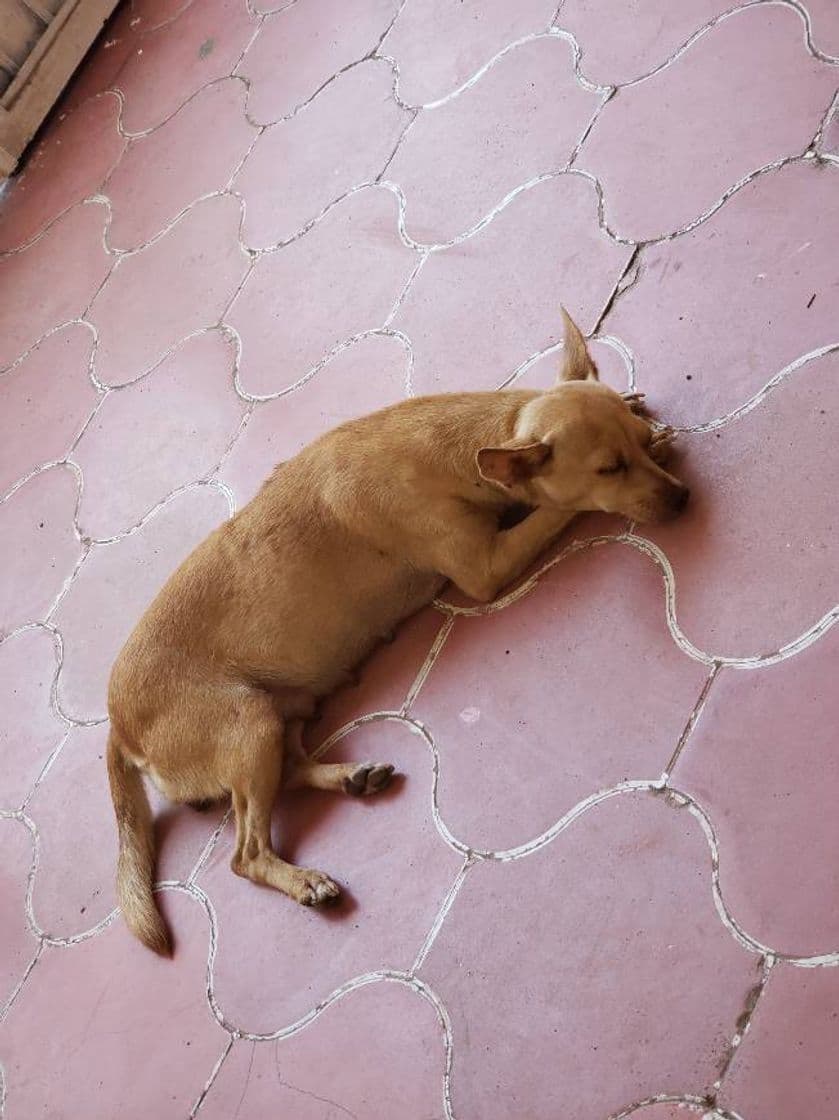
{"x": 680, "y": 498}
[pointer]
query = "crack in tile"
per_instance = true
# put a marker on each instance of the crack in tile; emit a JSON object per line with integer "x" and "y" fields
{"x": 744, "y": 1021}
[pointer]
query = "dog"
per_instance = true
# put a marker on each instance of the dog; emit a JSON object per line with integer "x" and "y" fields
{"x": 278, "y": 606}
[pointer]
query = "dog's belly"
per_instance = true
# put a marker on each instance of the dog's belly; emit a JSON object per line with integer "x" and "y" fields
{"x": 350, "y": 634}
{"x": 338, "y": 612}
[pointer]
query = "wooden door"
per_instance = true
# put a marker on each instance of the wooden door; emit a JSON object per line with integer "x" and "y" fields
{"x": 41, "y": 44}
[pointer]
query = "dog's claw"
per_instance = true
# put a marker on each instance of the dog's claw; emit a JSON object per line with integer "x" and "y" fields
{"x": 661, "y": 444}
{"x": 315, "y": 888}
{"x": 368, "y": 778}
{"x": 636, "y": 402}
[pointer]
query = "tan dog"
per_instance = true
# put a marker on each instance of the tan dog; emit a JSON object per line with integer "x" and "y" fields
{"x": 362, "y": 528}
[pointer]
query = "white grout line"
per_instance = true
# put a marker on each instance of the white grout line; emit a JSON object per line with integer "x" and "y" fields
{"x": 762, "y": 393}
{"x": 45, "y": 769}
{"x": 550, "y": 33}
{"x": 697, "y": 1106}
{"x": 428, "y": 664}
{"x": 208, "y": 1084}
{"x": 210, "y": 846}
{"x": 659, "y": 557}
{"x": 7, "y": 1006}
{"x": 385, "y": 332}
{"x": 655, "y": 786}
{"x": 744, "y": 1021}
{"x": 13, "y": 365}
{"x": 442, "y": 914}
{"x": 738, "y": 9}
{"x": 691, "y": 723}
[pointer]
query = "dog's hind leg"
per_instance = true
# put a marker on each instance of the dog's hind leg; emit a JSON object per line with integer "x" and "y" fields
{"x": 354, "y": 778}
{"x": 259, "y": 765}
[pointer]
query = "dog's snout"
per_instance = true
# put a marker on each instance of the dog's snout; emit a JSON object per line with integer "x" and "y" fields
{"x": 680, "y": 499}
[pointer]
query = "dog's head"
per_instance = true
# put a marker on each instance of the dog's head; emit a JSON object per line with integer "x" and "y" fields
{"x": 580, "y": 447}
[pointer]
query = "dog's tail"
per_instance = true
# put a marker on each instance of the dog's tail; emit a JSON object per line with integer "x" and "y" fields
{"x": 135, "y": 865}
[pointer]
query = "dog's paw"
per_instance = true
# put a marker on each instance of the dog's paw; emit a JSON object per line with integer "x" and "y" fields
{"x": 661, "y": 445}
{"x": 636, "y": 402}
{"x": 313, "y": 888}
{"x": 368, "y": 778}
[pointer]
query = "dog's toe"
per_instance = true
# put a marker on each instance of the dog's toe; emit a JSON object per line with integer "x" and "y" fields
{"x": 368, "y": 778}
{"x": 661, "y": 444}
{"x": 636, "y": 402}
{"x": 316, "y": 888}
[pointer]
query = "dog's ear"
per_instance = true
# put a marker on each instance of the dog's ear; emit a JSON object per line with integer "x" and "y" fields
{"x": 510, "y": 465}
{"x": 577, "y": 363}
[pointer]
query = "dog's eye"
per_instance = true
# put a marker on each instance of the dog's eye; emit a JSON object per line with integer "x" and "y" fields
{"x": 613, "y": 468}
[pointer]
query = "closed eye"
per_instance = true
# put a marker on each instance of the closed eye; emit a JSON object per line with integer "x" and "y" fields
{"x": 613, "y": 468}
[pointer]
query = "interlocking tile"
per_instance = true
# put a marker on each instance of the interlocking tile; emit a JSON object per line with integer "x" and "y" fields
{"x": 341, "y": 139}
{"x": 439, "y": 45}
{"x": 761, "y": 520}
{"x": 31, "y": 730}
{"x": 718, "y": 312}
{"x": 141, "y": 312}
{"x": 323, "y": 1072}
{"x": 478, "y": 310}
{"x": 572, "y": 689}
{"x": 116, "y": 583}
{"x": 746, "y": 94}
{"x": 18, "y": 943}
{"x": 386, "y": 853}
{"x": 340, "y": 278}
{"x": 621, "y": 981}
{"x": 73, "y": 888}
{"x": 303, "y": 46}
{"x": 45, "y": 401}
{"x": 762, "y": 762}
{"x": 30, "y": 307}
{"x": 160, "y": 433}
{"x": 522, "y": 119}
{"x": 367, "y": 375}
{"x": 42, "y": 190}
{"x": 787, "y": 1064}
{"x": 620, "y": 43}
{"x": 171, "y": 64}
{"x": 162, "y": 173}
{"x": 38, "y": 518}
{"x": 124, "y": 1013}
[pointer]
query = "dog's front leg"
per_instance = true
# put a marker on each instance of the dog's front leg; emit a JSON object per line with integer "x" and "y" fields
{"x": 483, "y": 561}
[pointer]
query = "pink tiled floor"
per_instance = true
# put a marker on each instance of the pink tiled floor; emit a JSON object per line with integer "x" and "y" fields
{"x": 608, "y": 883}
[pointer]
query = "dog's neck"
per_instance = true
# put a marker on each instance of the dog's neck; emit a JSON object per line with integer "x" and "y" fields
{"x": 493, "y": 426}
